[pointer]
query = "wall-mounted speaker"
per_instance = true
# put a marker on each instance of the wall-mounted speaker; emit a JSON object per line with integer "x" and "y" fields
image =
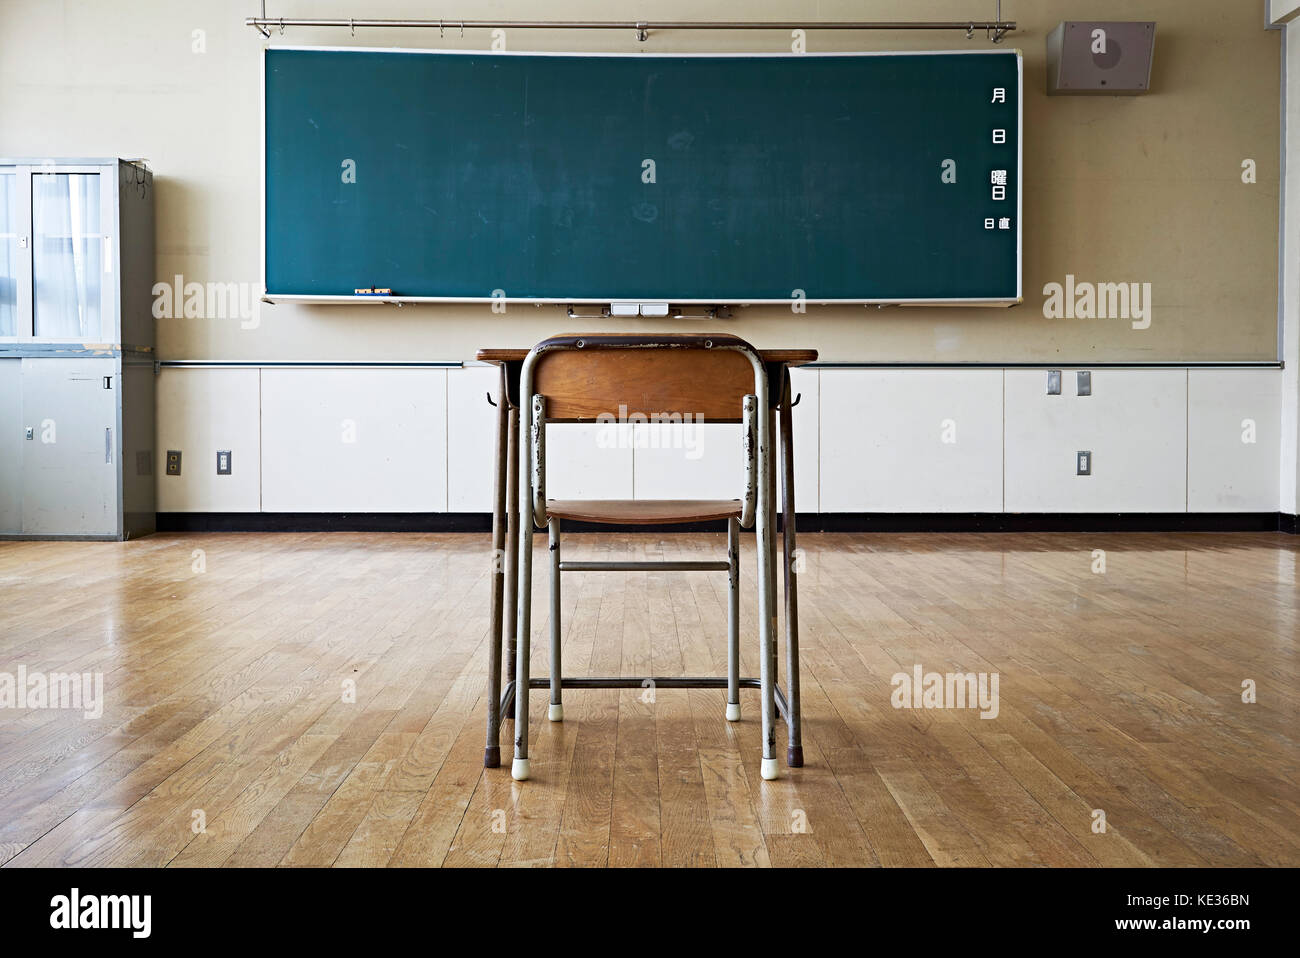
{"x": 1099, "y": 58}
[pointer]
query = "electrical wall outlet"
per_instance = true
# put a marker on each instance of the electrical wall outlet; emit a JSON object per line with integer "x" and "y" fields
{"x": 1083, "y": 379}
{"x": 223, "y": 462}
{"x": 1053, "y": 382}
{"x": 1083, "y": 463}
{"x": 173, "y": 462}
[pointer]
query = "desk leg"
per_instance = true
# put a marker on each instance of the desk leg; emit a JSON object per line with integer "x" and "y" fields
{"x": 519, "y": 770}
{"x": 794, "y": 751}
{"x": 492, "y": 749}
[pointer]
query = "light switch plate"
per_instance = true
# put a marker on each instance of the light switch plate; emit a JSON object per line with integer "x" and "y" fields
{"x": 1053, "y": 382}
{"x": 1084, "y": 380}
{"x": 1083, "y": 462}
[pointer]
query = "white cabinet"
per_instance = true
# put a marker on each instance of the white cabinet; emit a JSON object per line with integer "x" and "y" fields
{"x": 354, "y": 440}
{"x": 203, "y": 411}
{"x": 1233, "y": 440}
{"x": 471, "y": 437}
{"x": 911, "y": 440}
{"x": 1134, "y": 425}
{"x": 588, "y": 460}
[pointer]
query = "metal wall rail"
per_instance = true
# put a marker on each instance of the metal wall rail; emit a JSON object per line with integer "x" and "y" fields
{"x": 308, "y": 364}
{"x": 994, "y": 29}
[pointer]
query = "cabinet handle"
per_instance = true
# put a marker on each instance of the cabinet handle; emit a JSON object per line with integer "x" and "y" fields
{"x": 108, "y": 444}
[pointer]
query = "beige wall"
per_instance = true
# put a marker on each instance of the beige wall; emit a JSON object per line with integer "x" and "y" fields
{"x": 1144, "y": 189}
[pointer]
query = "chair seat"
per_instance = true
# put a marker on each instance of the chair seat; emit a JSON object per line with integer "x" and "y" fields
{"x": 643, "y": 512}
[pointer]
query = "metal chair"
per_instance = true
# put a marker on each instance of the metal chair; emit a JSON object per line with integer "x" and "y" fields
{"x": 589, "y": 378}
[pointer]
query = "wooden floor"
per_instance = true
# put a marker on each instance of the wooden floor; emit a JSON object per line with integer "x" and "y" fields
{"x": 1119, "y": 691}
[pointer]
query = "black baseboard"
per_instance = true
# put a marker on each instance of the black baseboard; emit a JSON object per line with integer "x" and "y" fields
{"x": 1043, "y": 522}
{"x": 892, "y": 522}
{"x": 324, "y": 522}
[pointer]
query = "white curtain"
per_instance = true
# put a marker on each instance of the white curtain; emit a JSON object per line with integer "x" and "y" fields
{"x": 67, "y": 255}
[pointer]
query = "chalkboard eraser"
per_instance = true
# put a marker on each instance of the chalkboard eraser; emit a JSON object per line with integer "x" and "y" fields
{"x": 383, "y": 292}
{"x": 625, "y": 309}
{"x": 363, "y": 292}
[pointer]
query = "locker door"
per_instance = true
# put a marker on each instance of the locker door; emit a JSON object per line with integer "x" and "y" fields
{"x": 69, "y": 463}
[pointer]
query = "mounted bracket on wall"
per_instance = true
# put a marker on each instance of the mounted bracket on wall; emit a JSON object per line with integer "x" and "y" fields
{"x": 1100, "y": 58}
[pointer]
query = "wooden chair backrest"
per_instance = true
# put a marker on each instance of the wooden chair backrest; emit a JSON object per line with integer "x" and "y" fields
{"x": 620, "y": 376}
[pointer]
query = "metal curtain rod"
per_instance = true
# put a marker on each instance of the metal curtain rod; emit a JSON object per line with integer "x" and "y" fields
{"x": 995, "y": 29}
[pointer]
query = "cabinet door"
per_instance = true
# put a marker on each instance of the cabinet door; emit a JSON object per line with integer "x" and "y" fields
{"x": 11, "y": 446}
{"x": 72, "y": 255}
{"x": 69, "y": 463}
{"x": 15, "y": 284}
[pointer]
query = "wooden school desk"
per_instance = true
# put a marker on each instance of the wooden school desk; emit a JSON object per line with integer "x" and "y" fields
{"x": 505, "y": 544}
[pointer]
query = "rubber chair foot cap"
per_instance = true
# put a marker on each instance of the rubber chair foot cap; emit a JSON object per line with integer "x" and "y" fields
{"x": 733, "y": 712}
{"x": 771, "y": 769}
{"x": 492, "y": 757}
{"x": 794, "y": 756}
{"x": 555, "y": 713}
{"x": 519, "y": 771}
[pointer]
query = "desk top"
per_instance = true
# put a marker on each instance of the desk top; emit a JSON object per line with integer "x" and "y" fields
{"x": 788, "y": 357}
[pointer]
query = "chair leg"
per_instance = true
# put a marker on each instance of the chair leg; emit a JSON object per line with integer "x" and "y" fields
{"x": 556, "y": 712}
{"x": 733, "y": 620}
{"x": 767, "y": 603}
{"x": 510, "y": 603}
{"x": 519, "y": 770}
{"x": 794, "y": 750}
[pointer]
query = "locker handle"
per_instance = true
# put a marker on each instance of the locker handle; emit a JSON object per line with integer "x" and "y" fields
{"x": 108, "y": 444}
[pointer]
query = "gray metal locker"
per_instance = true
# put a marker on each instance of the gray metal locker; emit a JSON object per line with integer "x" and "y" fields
{"x": 70, "y": 447}
{"x": 76, "y": 348}
{"x": 11, "y": 446}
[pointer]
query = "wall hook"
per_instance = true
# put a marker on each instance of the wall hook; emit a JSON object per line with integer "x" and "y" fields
{"x": 489, "y": 399}
{"x": 641, "y": 33}
{"x": 352, "y": 25}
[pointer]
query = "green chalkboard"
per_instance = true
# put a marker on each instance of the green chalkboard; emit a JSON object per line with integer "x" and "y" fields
{"x": 598, "y": 178}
